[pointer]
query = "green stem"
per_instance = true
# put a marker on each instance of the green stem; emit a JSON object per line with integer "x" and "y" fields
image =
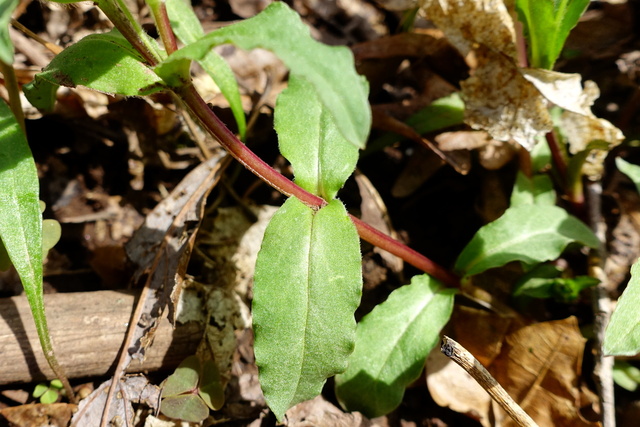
{"x": 255, "y": 164}
{"x": 36, "y": 302}
{"x": 123, "y": 20}
{"x": 11, "y": 83}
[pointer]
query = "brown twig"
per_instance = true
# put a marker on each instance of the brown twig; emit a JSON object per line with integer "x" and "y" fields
{"x": 470, "y": 364}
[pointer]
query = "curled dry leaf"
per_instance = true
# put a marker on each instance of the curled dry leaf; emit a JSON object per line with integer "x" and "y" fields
{"x": 511, "y": 102}
{"x": 493, "y": 154}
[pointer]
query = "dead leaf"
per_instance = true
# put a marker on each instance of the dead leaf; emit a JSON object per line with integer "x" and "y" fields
{"x": 135, "y": 389}
{"x": 540, "y": 367}
{"x": 319, "y": 412}
{"x": 160, "y": 248}
{"x": 38, "y": 414}
{"x": 501, "y": 101}
{"x": 452, "y": 387}
{"x": 492, "y": 154}
{"x": 374, "y": 213}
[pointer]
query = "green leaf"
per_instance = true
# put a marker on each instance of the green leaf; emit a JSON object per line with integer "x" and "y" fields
{"x": 537, "y": 190}
{"x": 210, "y": 389}
{"x": 307, "y": 286}
{"x": 6, "y": 47}
{"x": 528, "y": 233}
{"x": 103, "y": 62}
{"x": 544, "y": 281}
{"x": 322, "y": 159}
{"x": 622, "y": 337}
{"x": 440, "y": 114}
{"x": 626, "y": 375}
{"x": 50, "y": 396}
{"x": 632, "y": 171}
{"x": 329, "y": 69}
{"x": 184, "y": 379}
{"x": 546, "y": 27}
{"x": 40, "y": 390}
{"x": 20, "y": 218}
{"x": 187, "y": 407}
{"x": 186, "y": 26}
{"x": 392, "y": 343}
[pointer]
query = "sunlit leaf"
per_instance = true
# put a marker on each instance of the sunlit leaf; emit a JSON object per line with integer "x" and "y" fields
{"x": 392, "y": 343}
{"x": 103, "y": 62}
{"x": 546, "y": 27}
{"x": 187, "y": 28}
{"x": 6, "y": 47}
{"x": 307, "y": 287}
{"x": 184, "y": 379}
{"x": 537, "y": 190}
{"x": 629, "y": 169}
{"x": 622, "y": 337}
{"x": 322, "y": 159}
{"x": 329, "y": 69}
{"x": 210, "y": 388}
{"x": 528, "y": 233}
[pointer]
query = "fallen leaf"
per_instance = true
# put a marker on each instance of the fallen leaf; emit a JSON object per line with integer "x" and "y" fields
{"x": 540, "y": 366}
{"x": 38, "y": 414}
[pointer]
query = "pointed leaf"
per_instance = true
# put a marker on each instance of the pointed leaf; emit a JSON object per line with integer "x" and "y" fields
{"x": 103, "y": 62}
{"x": 622, "y": 337}
{"x": 210, "y": 389}
{"x": 528, "y": 233}
{"x": 322, "y": 159}
{"x": 547, "y": 25}
{"x": 20, "y": 218}
{"x": 330, "y": 69}
{"x": 307, "y": 287}
{"x": 6, "y": 47}
{"x": 537, "y": 190}
{"x": 392, "y": 343}
{"x": 186, "y": 26}
{"x": 184, "y": 379}
{"x": 632, "y": 171}
{"x": 187, "y": 407}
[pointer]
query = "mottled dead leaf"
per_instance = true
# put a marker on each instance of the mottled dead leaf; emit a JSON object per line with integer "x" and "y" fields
{"x": 501, "y": 101}
{"x": 540, "y": 367}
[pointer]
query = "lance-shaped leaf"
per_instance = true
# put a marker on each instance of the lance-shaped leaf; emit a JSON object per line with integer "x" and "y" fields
{"x": 329, "y": 69}
{"x": 392, "y": 343}
{"x": 6, "y": 47}
{"x": 20, "y": 217}
{"x": 622, "y": 337}
{"x": 186, "y": 26}
{"x": 537, "y": 190}
{"x": 546, "y": 27}
{"x": 307, "y": 286}
{"x": 528, "y": 233}
{"x": 103, "y": 62}
{"x": 322, "y": 159}
{"x": 629, "y": 169}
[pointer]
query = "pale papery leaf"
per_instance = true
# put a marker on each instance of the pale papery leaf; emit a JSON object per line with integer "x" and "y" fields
{"x": 563, "y": 89}
{"x": 486, "y": 22}
{"x": 501, "y": 101}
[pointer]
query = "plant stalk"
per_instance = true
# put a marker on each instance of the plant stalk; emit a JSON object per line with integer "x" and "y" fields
{"x": 161, "y": 19}
{"x": 255, "y": 164}
{"x": 11, "y": 83}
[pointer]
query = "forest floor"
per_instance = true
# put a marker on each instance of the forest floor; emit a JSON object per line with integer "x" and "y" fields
{"x": 106, "y": 162}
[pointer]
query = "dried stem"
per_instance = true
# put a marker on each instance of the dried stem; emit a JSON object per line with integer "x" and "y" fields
{"x": 602, "y": 307}
{"x": 466, "y": 361}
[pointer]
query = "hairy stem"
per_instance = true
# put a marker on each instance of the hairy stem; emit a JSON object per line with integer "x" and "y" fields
{"x": 161, "y": 19}
{"x": 265, "y": 172}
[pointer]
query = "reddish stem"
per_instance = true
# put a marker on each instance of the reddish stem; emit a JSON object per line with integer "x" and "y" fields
{"x": 278, "y": 181}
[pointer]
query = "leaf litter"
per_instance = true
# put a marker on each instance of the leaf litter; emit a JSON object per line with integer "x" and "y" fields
{"x": 531, "y": 89}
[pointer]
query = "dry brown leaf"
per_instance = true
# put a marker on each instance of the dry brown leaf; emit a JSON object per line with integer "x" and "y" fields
{"x": 38, "y": 414}
{"x": 319, "y": 412}
{"x": 452, "y": 387}
{"x": 540, "y": 366}
{"x": 493, "y": 154}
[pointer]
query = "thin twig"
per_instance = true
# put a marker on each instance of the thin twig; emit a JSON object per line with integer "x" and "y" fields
{"x": 466, "y": 361}
{"x": 601, "y": 302}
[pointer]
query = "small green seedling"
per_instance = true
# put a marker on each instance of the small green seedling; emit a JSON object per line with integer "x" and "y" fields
{"x": 48, "y": 393}
{"x": 192, "y": 390}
